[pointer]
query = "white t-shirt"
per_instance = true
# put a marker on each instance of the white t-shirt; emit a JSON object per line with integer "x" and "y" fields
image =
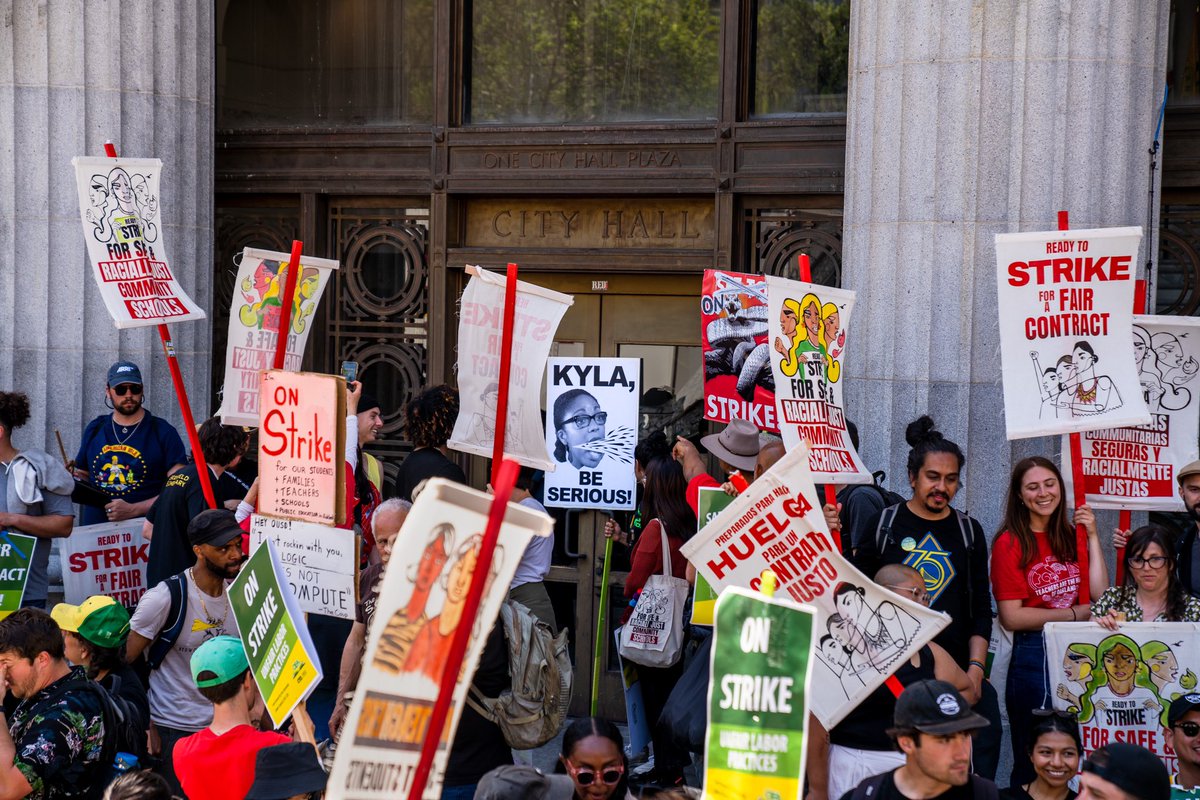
{"x": 174, "y": 700}
{"x": 535, "y": 561}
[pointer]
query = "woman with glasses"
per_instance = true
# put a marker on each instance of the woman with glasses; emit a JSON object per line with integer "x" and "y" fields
{"x": 1152, "y": 591}
{"x": 578, "y": 420}
{"x": 1055, "y": 749}
{"x": 593, "y": 754}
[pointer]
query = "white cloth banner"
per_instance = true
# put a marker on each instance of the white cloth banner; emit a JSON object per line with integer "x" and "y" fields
{"x": 320, "y": 562}
{"x": 480, "y": 333}
{"x": 254, "y": 322}
{"x": 1121, "y": 684}
{"x": 109, "y": 559}
{"x": 1065, "y": 302}
{"x": 864, "y": 631}
{"x": 1135, "y": 467}
{"x": 126, "y": 241}
{"x": 591, "y": 430}
{"x": 807, "y": 334}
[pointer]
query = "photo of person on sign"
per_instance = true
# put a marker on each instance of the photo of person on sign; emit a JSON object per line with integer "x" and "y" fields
{"x": 578, "y": 420}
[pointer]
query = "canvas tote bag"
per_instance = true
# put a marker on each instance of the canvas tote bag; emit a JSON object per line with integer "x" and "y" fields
{"x": 653, "y": 636}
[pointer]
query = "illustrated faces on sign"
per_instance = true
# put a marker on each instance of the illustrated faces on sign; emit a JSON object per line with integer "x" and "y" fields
{"x": 578, "y": 420}
{"x": 1120, "y": 665}
{"x": 1163, "y": 666}
{"x": 812, "y": 320}
{"x": 429, "y": 568}
{"x": 122, "y": 190}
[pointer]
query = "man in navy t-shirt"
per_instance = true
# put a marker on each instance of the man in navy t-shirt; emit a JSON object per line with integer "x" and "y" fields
{"x": 129, "y": 453}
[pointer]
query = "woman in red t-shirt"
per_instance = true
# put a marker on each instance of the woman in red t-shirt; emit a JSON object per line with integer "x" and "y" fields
{"x": 1035, "y": 580}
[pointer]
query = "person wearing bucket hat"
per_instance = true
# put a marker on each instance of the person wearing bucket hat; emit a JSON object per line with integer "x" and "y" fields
{"x": 1123, "y": 771}
{"x": 229, "y": 745}
{"x": 289, "y": 771}
{"x": 523, "y": 782}
{"x": 736, "y": 448}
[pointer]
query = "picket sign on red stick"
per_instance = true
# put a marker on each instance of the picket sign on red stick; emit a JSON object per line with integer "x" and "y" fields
{"x": 506, "y": 341}
{"x": 830, "y": 491}
{"x": 285, "y": 313}
{"x": 503, "y": 481}
{"x": 1125, "y": 516}
{"x": 185, "y": 407}
{"x": 1080, "y": 491}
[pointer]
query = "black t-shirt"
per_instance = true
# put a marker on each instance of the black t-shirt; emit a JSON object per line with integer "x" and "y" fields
{"x": 426, "y": 462}
{"x": 181, "y": 499}
{"x": 865, "y": 728}
{"x": 957, "y": 580}
{"x": 479, "y": 746}
{"x": 888, "y": 790}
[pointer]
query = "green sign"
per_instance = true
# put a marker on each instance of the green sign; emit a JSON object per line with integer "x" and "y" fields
{"x": 758, "y": 697}
{"x": 711, "y": 502}
{"x": 16, "y": 551}
{"x": 272, "y": 628}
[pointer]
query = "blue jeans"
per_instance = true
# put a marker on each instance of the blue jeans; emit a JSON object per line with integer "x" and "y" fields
{"x": 1028, "y": 688}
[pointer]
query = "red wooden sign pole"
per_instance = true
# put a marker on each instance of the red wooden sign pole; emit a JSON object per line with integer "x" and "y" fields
{"x": 506, "y": 341}
{"x": 185, "y": 407}
{"x": 289, "y": 299}
{"x": 1080, "y": 491}
{"x": 1125, "y": 516}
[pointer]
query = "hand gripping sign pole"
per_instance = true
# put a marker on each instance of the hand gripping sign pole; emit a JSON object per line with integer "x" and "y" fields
{"x": 289, "y": 297}
{"x": 185, "y": 407}
{"x": 1080, "y": 491}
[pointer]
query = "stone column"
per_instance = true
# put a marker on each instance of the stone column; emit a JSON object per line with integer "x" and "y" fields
{"x": 968, "y": 119}
{"x": 74, "y": 73}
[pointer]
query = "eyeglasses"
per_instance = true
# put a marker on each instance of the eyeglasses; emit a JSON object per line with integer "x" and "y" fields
{"x": 918, "y": 593}
{"x": 127, "y": 388}
{"x": 581, "y": 421}
{"x": 1153, "y": 562}
{"x": 1054, "y": 712}
{"x": 586, "y": 777}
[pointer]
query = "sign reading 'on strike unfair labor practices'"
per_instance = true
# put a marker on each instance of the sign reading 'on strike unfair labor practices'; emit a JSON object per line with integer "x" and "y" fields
{"x": 302, "y": 447}
{"x": 864, "y": 631}
{"x": 711, "y": 501}
{"x": 1066, "y": 307}
{"x": 281, "y": 654}
{"x": 757, "y": 698}
{"x": 254, "y": 318}
{"x": 738, "y": 382}
{"x": 1135, "y": 467}
{"x": 410, "y": 636}
{"x": 109, "y": 559}
{"x": 591, "y": 430}
{"x": 126, "y": 241}
{"x": 480, "y": 335}
{"x": 808, "y": 325}
{"x": 319, "y": 562}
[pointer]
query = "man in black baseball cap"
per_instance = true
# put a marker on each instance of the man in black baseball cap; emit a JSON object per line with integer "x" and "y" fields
{"x": 1123, "y": 771}
{"x": 933, "y": 726}
{"x": 1183, "y": 735}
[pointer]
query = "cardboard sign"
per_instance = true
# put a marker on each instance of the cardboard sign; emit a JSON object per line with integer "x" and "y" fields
{"x": 109, "y": 559}
{"x": 591, "y": 430}
{"x": 319, "y": 562}
{"x": 480, "y": 331}
{"x": 808, "y": 325}
{"x": 758, "y": 697}
{"x": 864, "y": 631}
{"x": 1065, "y": 322}
{"x": 1120, "y": 685}
{"x": 635, "y": 705}
{"x": 126, "y": 241}
{"x": 16, "y": 551}
{"x": 302, "y": 447}
{"x": 738, "y": 381}
{"x": 281, "y": 654}
{"x": 711, "y": 501}
{"x": 417, "y": 611}
{"x": 254, "y": 322}
{"x": 1135, "y": 467}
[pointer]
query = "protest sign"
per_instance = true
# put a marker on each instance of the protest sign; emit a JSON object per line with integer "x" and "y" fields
{"x": 591, "y": 430}
{"x": 319, "y": 562}
{"x": 711, "y": 501}
{"x": 738, "y": 382}
{"x": 480, "y": 330}
{"x": 302, "y": 447}
{"x": 757, "y": 698}
{"x": 126, "y": 241}
{"x": 1065, "y": 300}
{"x": 807, "y": 328}
{"x": 1135, "y": 467}
{"x": 254, "y": 320}
{"x": 16, "y": 551}
{"x": 777, "y": 524}
{"x": 281, "y": 654}
{"x": 635, "y": 705}
{"x": 418, "y": 609}
{"x": 109, "y": 559}
{"x": 1120, "y": 685}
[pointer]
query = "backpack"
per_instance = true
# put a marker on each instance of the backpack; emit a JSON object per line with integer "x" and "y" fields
{"x": 129, "y": 723}
{"x": 176, "y": 614}
{"x": 122, "y": 733}
{"x": 531, "y": 712}
{"x": 890, "y": 498}
{"x": 981, "y": 788}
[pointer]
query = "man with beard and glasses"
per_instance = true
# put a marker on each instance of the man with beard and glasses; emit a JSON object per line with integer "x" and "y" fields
{"x": 949, "y": 549}
{"x": 177, "y": 616}
{"x": 129, "y": 453}
{"x": 1187, "y": 553}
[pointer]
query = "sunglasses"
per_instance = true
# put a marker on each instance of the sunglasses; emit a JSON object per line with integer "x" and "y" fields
{"x": 586, "y": 777}
{"x": 1189, "y": 728}
{"x": 1054, "y": 712}
{"x": 127, "y": 388}
{"x": 581, "y": 421}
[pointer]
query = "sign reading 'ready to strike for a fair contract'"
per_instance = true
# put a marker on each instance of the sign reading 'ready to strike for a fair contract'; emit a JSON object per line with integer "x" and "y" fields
{"x": 302, "y": 447}
{"x": 591, "y": 430}
{"x": 109, "y": 559}
{"x": 1066, "y": 314}
{"x": 320, "y": 562}
{"x": 737, "y": 350}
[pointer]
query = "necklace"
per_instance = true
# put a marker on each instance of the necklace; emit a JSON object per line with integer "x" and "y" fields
{"x": 212, "y": 622}
{"x": 124, "y": 429}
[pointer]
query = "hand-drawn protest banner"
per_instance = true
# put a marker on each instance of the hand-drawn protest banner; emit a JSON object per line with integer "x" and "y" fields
{"x": 808, "y": 325}
{"x": 777, "y": 524}
{"x": 254, "y": 322}
{"x": 415, "y": 620}
{"x": 126, "y": 241}
{"x": 711, "y": 501}
{"x": 480, "y": 331}
{"x": 738, "y": 382}
{"x": 281, "y": 654}
{"x": 302, "y": 447}
{"x": 758, "y": 697}
{"x": 1121, "y": 684}
{"x": 109, "y": 559}
{"x": 591, "y": 430}
{"x": 319, "y": 562}
{"x": 16, "y": 552}
{"x": 1065, "y": 300}
{"x": 1135, "y": 467}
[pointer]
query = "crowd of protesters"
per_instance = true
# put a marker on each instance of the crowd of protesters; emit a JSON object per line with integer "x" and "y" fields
{"x": 158, "y": 701}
